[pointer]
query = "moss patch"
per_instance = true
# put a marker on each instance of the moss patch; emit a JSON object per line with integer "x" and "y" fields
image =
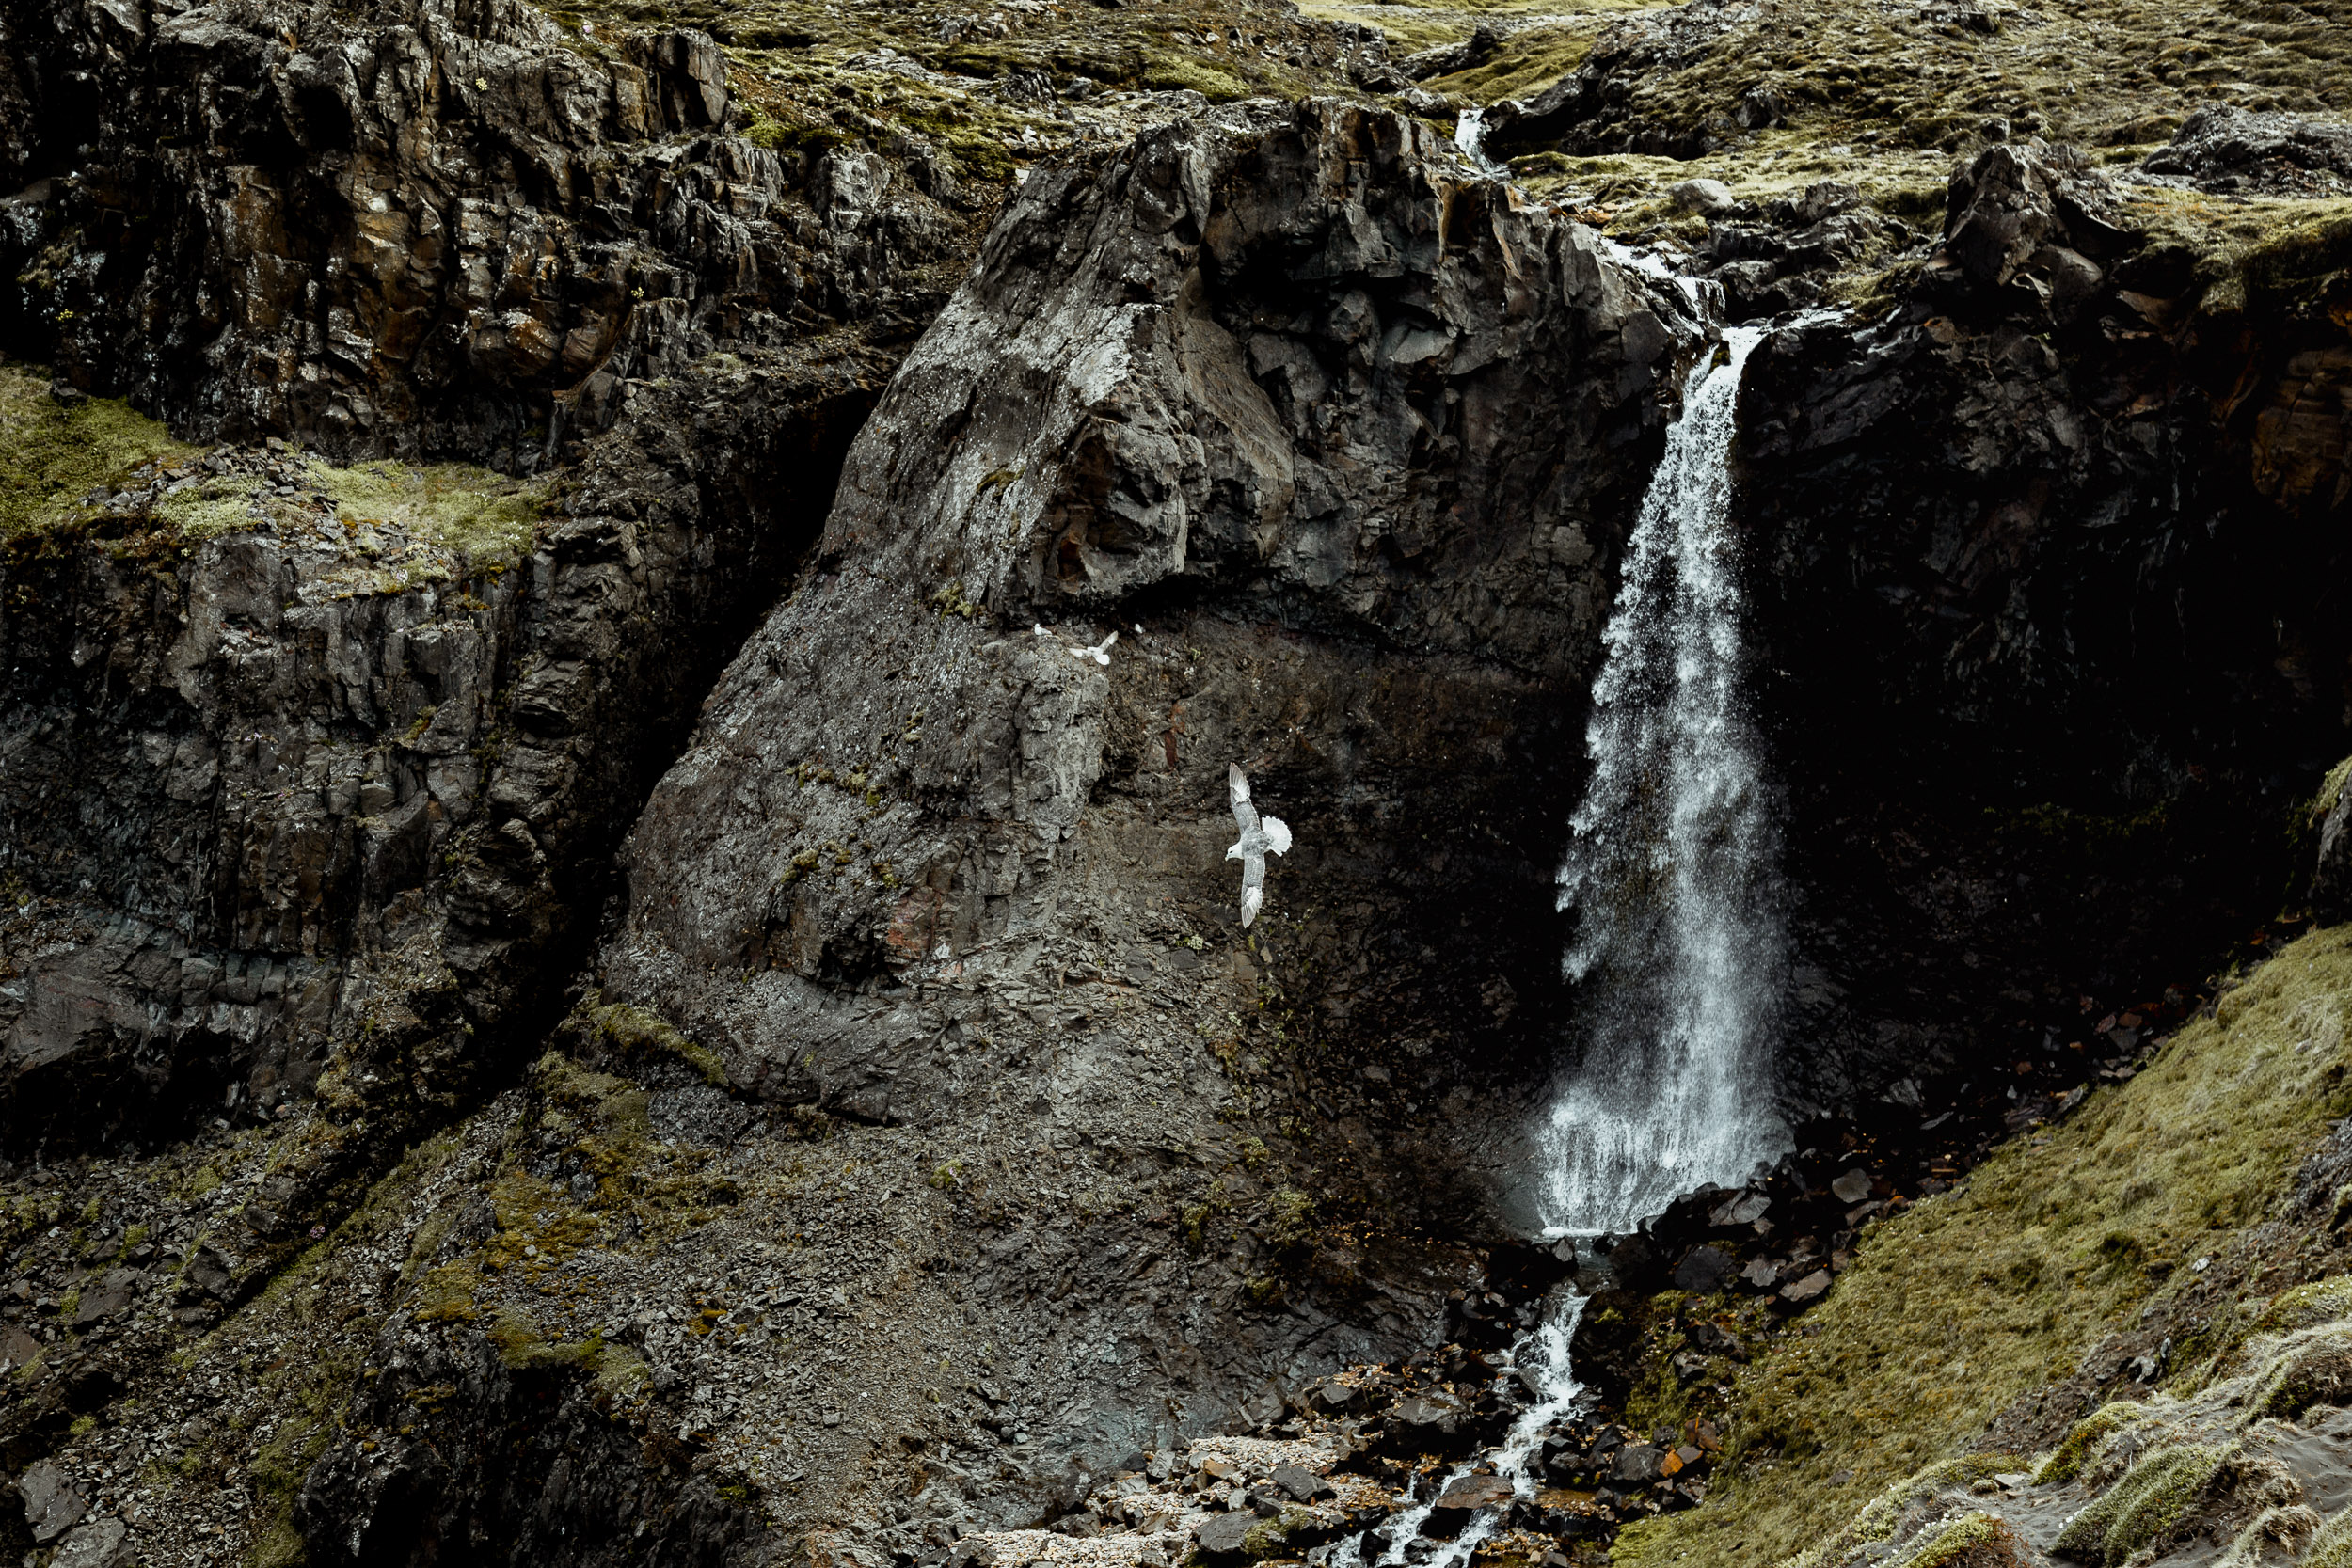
{"x": 51, "y": 457}
{"x": 488, "y": 518}
{"x": 2151, "y": 1498}
{"x": 1955, "y": 1307}
{"x": 639, "y": 1035}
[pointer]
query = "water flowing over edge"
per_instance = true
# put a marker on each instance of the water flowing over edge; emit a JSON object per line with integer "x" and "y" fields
{"x": 1671, "y": 869}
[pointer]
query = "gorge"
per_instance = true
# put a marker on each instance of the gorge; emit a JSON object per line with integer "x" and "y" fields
{"x": 586, "y": 979}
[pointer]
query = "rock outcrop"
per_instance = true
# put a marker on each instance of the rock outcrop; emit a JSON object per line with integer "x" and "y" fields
{"x": 450, "y": 227}
{"x": 2043, "y": 592}
{"x": 1277, "y": 396}
{"x": 310, "y": 793}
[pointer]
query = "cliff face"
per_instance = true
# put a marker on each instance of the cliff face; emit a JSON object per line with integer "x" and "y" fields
{"x": 707, "y": 1020}
{"x": 448, "y": 229}
{"x": 337, "y": 788}
{"x": 2044, "y": 574}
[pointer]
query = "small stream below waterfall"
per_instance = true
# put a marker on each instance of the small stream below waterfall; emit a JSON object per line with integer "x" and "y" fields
{"x": 1670, "y": 874}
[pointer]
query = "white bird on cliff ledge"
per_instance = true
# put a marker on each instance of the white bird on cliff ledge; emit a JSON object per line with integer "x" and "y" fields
{"x": 1258, "y": 836}
{"x": 1100, "y": 653}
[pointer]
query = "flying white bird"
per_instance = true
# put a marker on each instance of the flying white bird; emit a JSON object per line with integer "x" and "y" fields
{"x": 1100, "y": 653}
{"x": 1258, "y": 835}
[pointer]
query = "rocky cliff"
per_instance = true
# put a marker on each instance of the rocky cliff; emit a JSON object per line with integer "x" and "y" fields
{"x": 618, "y": 943}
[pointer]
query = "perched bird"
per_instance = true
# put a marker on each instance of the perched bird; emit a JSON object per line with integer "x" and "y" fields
{"x": 1100, "y": 653}
{"x": 1257, "y": 835}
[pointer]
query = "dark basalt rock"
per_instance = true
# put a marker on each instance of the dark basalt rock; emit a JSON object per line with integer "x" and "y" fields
{"x": 442, "y": 228}
{"x": 2224, "y": 148}
{"x": 2040, "y": 591}
{"x": 270, "y": 820}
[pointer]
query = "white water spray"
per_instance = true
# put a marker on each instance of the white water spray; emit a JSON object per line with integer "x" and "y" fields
{"x": 1678, "y": 949}
{"x": 1470, "y": 134}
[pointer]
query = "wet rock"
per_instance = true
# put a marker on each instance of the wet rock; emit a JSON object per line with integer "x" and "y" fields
{"x": 1851, "y": 1187}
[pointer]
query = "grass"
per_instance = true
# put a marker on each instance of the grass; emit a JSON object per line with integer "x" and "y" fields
{"x": 1956, "y": 1307}
{"x": 488, "y": 518}
{"x": 2139, "y": 1508}
{"x": 51, "y": 457}
{"x": 1855, "y": 72}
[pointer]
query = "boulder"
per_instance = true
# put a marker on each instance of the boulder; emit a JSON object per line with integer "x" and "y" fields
{"x": 2224, "y": 148}
{"x": 100, "y": 1543}
{"x": 1302, "y": 1484}
{"x": 1703, "y": 197}
{"x": 2028, "y": 228}
{"x": 52, "y": 1506}
{"x": 1224, "y": 1535}
{"x": 1705, "y": 1270}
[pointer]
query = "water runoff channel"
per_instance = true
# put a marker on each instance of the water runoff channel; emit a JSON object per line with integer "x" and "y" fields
{"x": 1670, "y": 871}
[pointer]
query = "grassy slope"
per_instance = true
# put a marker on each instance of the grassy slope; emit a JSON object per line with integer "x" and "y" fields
{"x": 1955, "y": 1307}
{"x": 52, "y": 456}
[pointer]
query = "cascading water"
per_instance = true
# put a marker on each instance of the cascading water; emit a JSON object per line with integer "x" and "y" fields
{"x": 1678, "y": 951}
{"x": 1670, "y": 870}
{"x": 1470, "y": 134}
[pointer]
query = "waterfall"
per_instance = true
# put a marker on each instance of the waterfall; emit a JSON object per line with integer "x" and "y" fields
{"x": 1670, "y": 869}
{"x": 1678, "y": 951}
{"x": 1470, "y": 134}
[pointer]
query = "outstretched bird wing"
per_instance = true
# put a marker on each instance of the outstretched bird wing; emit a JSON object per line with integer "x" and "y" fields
{"x": 1245, "y": 813}
{"x": 1253, "y": 887}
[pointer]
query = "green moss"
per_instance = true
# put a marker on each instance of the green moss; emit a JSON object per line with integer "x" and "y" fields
{"x": 1529, "y": 61}
{"x": 488, "y": 518}
{"x": 1290, "y": 1218}
{"x": 522, "y": 1344}
{"x": 2151, "y": 1498}
{"x": 51, "y": 457}
{"x": 2311, "y": 1366}
{"x": 2322, "y": 1301}
{"x": 2323, "y": 800}
{"x": 2275, "y": 1535}
{"x": 2332, "y": 1546}
{"x": 1184, "y": 73}
{"x": 1875, "y": 1523}
{"x": 1958, "y": 1536}
{"x": 637, "y": 1034}
{"x": 622, "y": 1376}
{"x": 1956, "y": 1307}
{"x": 2086, "y": 1439}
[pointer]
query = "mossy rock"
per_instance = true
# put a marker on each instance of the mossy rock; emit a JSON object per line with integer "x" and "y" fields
{"x": 2087, "y": 1438}
{"x": 638, "y": 1035}
{"x": 1975, "y": 1540}
{"x": 2308, "y": 1306}
{"x": 2311, "y": 1366}
{"x": 51, "y": 454}
{"x": 2154, "y": 1496}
